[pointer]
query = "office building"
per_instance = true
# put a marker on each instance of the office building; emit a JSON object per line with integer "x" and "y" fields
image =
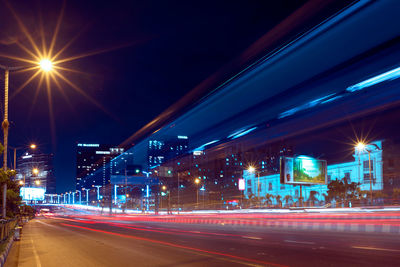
{"x": 35, "y": 170}
{"x": 92, "y": 164}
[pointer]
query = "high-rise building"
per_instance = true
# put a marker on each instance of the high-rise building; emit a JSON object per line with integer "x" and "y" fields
{"x": 92, "y": 164}
{"x": 160, "y": 151}
{"x": 35, "y": 170}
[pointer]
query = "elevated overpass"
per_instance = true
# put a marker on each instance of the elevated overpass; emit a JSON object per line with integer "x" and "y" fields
{"x": 343, "y": 68}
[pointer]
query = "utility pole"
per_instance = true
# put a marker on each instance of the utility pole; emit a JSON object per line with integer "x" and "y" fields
{"x": 5, "y": 125}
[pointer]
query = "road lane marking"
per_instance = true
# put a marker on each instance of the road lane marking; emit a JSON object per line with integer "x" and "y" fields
{"x": 373, "y": 248}
{"x": 252, "y": 237}
{"x": 229, "y": 257}
{"x": 35, "y": 254}
{"x": 299, "y": 242}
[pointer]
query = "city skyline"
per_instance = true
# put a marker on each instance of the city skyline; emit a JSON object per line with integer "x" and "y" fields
{"x": 147, "y": 51}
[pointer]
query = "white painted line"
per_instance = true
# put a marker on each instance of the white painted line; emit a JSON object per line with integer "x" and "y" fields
{"x": 35, "y": 254}
{"x": 299, "y": 242}
{"x": 381, "y": 249}
{"x": 252, "y": 237}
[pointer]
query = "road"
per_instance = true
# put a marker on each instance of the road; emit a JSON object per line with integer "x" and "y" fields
{"x": 69, "y": 241}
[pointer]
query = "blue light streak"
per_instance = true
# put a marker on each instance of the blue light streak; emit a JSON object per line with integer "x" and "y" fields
{"x": 305, "y": 106}
{"x": 237, "y": 135}
{"x": 387, "y": 76}
{"x": 201, "y": 148}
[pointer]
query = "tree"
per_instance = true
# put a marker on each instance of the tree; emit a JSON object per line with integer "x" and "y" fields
{"x": 288, "y": 200}
{"x": 268, "y": 199}
{"x": 278, "y": 201}
{"x": 13, "y": 200}
{"x": 342, "y": 191}
{"x": 254, "y": 200}
{"x": 312, "y": 199}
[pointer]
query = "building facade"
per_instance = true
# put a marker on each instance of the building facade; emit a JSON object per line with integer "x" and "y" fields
{"x": 357, "y": 171}
{"x": 165, "y": 149}
{"x": 93, "y": 164}
{"x": 35, "y": 170}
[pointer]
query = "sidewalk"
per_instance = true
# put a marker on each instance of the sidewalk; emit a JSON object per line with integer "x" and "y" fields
{"x": 23, "y": 253}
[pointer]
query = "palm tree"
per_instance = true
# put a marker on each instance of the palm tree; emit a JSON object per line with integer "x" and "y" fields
{"x": 313, "y": 197}
{"x": 268, "y": 198}
{"x": 278, "y": 201}
{"x": 288, "y": 200}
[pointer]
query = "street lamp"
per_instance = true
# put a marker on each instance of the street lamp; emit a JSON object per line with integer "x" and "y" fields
{"x": 115, "y": 194}
{"x": 80, "y": 196}
{"x": 98, "y": 191}
{"x": 37, "y": 182}
{"x": 87, "y": 195}
{"x": 45, "y": 65}
{"x": 363, "y": 147}
{"x": 252, "y": 169}
{"x": 35, "y": 171}
{"x": 197, "y": 182}
{"x": 32, "y": 146}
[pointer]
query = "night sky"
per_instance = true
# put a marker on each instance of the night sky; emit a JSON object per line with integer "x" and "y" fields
{"x": 154, "y": 53}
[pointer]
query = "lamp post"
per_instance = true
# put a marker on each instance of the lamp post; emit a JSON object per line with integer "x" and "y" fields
{"x": 363, "y": 147}
{"x": 115, "y": 194}
{"x": 197, "y": 181}
{"x": 31, "y": 146}
{"x": 80, "y": 196}
{"x": 87, "y": 195}
{"x": 251, "y": 169}
{"x": 45, "y": 65}
{"x": 98, "y": 192}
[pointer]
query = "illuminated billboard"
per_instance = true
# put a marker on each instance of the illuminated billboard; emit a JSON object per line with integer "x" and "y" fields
{"x": 242, "y": 184}
{"x": 32, "y": 193}
{"x": 303, "y": 170}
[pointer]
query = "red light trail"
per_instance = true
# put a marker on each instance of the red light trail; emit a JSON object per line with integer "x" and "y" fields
{"x": 177, "y": 246}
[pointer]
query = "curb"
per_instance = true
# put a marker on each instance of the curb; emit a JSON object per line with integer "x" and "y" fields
{"x": 4, "y": 255}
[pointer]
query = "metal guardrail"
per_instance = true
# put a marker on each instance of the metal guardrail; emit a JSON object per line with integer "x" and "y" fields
{"x": 7, "y": 228}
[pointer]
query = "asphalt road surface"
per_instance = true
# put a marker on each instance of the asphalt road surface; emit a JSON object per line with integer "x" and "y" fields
{"x": 68, "y": 241}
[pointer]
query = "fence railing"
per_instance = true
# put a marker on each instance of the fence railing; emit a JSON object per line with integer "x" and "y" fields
{"x": 7, "y": 228}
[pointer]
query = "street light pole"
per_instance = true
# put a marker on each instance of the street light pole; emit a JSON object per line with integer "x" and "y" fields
{"x": 98, "y": 193}
{"x": 87, "y": 196}
{"x": 80, "y": 197}
{"x": 197, "y": 182}
{"x": 361, "y": 146}
{"x": 5, "y": 131}
{"x": 370, "y": 176}
{"x": 45, "y": 67}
